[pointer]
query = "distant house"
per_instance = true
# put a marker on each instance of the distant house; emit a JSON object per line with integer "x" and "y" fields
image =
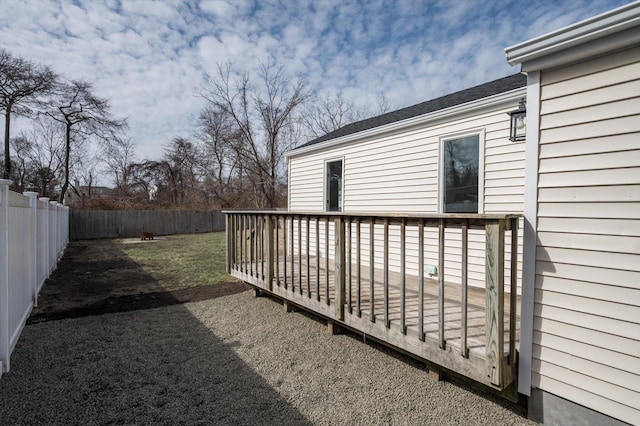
{"x": 383, "y": 213}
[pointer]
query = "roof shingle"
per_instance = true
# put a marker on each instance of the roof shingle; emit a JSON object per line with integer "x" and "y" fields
{"x": 474, "y": 93}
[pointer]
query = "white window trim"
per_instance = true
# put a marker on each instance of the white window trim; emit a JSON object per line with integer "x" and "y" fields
{"x": 481, "y": 135}
{"x": 324, "y": 182}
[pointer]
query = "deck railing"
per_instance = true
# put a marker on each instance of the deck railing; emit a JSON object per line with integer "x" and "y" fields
{"x": 403, "y": 279}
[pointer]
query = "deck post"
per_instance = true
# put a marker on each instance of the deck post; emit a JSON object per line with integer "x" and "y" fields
{"x": 494, "y": 299}
{"x": 268, "y": 234}
{"x": 435, "y": 373}
{"x": 229, "y": 241}
{"x": 513, "y": 292}
{"x": 340, "y": 266}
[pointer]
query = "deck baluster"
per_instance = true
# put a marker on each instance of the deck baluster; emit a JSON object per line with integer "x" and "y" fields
{"x": 372, "y": 263}
{"x": 252, "y": 234}
{"x": 387, "y": 322}
{"x": 403, "y": 282}
{"x": 318, "y": 258}
{"x": 269, "y": 250}
{"x": 235, "y": 242}
{"x": 307, "y": 251}
{"x": 339, "y": 255}
{"x": 326, "y": 258}
{"x": 358, "y": 310}
{"x": 243, "y": 247}
{"x": 285, "y": 230}
{"x": 349, "y": 262}
{"x": 293, "y": 258}
{"x": 300, "y": 254}
{"x": 441, "y": 235}
{"x": 262, "y": 247}
{"x": 464, "y": 291}
{"x": 277, "y": 250}
{"x": 421, "y": 280}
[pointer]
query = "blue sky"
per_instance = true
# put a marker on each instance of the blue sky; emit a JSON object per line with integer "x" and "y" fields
{"x": 149, "y": 57}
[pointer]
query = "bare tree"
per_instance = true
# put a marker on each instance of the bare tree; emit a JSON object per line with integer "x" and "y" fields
{"x": 144, "y": 178}
{"x": 265, "y": 119}
{"x": 83, "y": 173}
{"x": 119, "y": 154}
{"x": 180, "y": 162}
{"x": 82, "y": 114}
{"x": 21, "y": 82}
{"x": 40, "y": 151}
{"x": 20, "y": 163}
{"x": 219, "y": 161}
{"x": 330, "y": 113}
{"x": 46, "y": 157}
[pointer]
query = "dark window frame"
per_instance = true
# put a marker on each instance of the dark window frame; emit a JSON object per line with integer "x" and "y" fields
{"x": 334, "y": 185}
{"x": 462, "y": 173}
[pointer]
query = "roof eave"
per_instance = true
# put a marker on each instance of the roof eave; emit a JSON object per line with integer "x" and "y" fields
{"x": 447, "y": 113}
{"x": 604, "y": 25}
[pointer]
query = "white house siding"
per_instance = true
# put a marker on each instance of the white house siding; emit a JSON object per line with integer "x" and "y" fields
{"x": 399, "y": 173}
{"x": 587, "y": 298}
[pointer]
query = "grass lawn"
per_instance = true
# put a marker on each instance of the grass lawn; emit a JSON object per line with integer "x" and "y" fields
{"x": 179, "y": 261}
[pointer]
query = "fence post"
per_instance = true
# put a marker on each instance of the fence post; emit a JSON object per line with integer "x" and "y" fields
{"x": 53, "y": 239}
{"x": 494, "y": 300}
{"x": 66, "y": 225}
{"x": 4, "y": 276}
{"x": 269, "y": 243}
{"x": 45, "y": 234}
{"x": 59, "y": 244}
{"x": 33, "y": 204}
{"x": 340, "y": 266}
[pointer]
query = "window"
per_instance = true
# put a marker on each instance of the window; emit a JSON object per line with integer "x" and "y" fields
{"x": 461, "y": 165}
{"x": 333, "y": 186}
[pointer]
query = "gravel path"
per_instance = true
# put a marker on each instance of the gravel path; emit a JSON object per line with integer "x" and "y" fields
{"x": 231, "y": 360}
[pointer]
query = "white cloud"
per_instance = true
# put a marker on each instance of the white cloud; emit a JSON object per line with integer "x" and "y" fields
{"x": 148, "y": 57}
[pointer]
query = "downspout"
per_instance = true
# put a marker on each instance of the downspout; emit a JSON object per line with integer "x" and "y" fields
{"x": 530, "y": 238}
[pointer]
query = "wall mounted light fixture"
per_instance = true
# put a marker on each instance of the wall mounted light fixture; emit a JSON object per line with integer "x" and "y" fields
{"x": 518, "y": 127}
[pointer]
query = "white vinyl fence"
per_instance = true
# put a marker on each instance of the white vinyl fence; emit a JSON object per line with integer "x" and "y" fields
{"x": 33, "y": 235}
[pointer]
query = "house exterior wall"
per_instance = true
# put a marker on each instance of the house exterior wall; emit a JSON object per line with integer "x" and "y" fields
{"x": 586, "y": 338}
{"x": 399, "y": 172}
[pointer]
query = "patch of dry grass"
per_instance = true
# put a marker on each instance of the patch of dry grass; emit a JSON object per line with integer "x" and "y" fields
{"x": 179, "y": 261}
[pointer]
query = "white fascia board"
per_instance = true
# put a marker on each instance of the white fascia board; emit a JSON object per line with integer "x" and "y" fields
{"x": 449, "y": 114}
{"x": 600, "y": 26}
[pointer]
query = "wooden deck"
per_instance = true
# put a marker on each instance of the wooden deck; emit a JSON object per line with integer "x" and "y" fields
{"x": 456, "y": 327}
{"x": 315, "y": 287}
{"x": 312, "y": 285}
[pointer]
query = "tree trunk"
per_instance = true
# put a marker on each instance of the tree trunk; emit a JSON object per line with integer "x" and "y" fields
{"x": 67, "y": 152}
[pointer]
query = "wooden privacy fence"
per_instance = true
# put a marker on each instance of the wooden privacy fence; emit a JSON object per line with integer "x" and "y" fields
{"x": 91, "y": 224}
{"x": 33, "y": 235}
{"x": 402, "y": 279}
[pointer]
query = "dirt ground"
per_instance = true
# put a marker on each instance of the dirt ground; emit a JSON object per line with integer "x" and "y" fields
{"x": 95, "y": 277}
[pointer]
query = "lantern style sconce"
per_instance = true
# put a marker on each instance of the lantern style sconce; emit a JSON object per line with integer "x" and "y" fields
{"x": 518, "y": 128}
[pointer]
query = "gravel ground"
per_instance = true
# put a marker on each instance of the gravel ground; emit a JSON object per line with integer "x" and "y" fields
{"x": 230, "y": 360}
